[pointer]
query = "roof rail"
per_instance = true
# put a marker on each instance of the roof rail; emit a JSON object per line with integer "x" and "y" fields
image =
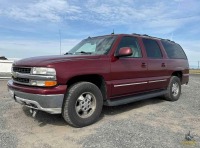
{"x": 151, "y": 37}
{"x": 169, "y": 40}
{"x": 145, "y": 35}
{"x": 136, "y": 34}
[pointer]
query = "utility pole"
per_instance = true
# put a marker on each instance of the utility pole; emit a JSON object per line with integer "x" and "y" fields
{"x": 198, "y": 64}
{"x": 60, "y": 41}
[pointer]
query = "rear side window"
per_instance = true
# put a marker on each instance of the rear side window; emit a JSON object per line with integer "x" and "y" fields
{"x": 152, "y": 49}
{"x": 173, "y": 50}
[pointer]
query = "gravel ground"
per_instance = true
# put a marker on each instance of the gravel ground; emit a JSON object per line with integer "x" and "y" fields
{"x": 150, "y": 123}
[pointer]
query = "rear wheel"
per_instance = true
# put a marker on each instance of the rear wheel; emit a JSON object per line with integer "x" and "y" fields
{"x": 174, "y": 89}
{"x": 83, "y": 104}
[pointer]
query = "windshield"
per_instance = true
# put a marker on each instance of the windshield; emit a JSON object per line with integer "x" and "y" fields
{"x": 96, "y": 45}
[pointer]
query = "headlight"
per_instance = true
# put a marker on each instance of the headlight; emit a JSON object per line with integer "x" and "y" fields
{"x": 43, "y": 71}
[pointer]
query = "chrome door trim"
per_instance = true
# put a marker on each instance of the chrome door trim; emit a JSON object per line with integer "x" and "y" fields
{"x": 128, "y": 84}
{"x": 155, "y": 81}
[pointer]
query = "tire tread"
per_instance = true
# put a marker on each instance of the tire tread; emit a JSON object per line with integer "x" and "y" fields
{"x": 66, "y": 102}
{"x": 169, "y": 96}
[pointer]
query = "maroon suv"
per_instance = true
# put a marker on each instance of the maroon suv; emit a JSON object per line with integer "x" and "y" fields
{"x": 106, "y": 70}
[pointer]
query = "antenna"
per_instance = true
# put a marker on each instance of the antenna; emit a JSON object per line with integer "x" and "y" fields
{"x": 113, "y": 32}
{"x": 60, "y": 40}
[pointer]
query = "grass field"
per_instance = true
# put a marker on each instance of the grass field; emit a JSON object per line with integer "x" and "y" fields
{"x": 194, "y": 71}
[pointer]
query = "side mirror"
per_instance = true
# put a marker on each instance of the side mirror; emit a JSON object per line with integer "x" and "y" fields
{"x": 124, "y": 51}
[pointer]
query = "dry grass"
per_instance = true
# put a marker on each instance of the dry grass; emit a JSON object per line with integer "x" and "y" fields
{"x": 194, "y": 71}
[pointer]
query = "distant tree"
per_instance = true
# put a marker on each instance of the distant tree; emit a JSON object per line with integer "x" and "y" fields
{"x": 3, "y": 58}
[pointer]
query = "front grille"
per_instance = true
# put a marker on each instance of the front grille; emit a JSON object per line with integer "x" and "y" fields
{"x": 22, "y": 70}
{"x": 21, "y": 80}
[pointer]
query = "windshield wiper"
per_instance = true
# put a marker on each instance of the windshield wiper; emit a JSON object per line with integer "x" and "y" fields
{"x": 83, "y": 52}
{"x": 68, "y": 53}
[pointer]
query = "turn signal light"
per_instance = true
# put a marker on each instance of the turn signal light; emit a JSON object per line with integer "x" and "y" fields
{"x": 50, "y": 83}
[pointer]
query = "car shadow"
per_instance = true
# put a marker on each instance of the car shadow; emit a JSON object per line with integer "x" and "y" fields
{"x": 113, "y": 110}
{"x": 44, "y": 118}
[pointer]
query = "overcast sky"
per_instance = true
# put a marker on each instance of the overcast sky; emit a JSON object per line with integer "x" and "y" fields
{"x": 31, "y": 27}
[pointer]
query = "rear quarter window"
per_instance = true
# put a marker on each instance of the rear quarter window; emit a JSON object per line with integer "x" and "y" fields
{"x": 173, "y": 50}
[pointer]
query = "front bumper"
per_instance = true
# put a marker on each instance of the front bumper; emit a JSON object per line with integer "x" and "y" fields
{"x": 51, "y": 103}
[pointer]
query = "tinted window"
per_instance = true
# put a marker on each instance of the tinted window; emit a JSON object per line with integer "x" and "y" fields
{"x": 133, "y": 44}
{"x": 152, "y": 49}
{"x": 173, "y": 50}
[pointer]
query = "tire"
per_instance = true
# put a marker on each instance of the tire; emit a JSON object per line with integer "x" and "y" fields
{"x": 174, "y": 89}
{"x": 82, "y": 104}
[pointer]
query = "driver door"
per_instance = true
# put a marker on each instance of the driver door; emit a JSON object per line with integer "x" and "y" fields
{"x": 129, "y": 73}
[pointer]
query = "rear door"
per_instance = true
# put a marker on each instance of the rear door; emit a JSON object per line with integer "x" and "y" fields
{"x": 129, "y": 73}
{"x": 157, "y": 66}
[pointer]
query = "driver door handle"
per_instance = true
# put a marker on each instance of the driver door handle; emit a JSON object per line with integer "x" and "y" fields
{"x": 144, "y": 65}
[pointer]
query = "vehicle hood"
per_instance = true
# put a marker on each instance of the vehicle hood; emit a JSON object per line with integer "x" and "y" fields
{"x": 48, "y": 60}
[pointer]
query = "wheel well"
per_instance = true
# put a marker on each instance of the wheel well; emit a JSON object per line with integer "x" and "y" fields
{"x": 179, "y": 74}
{"x": 93, "y": 78}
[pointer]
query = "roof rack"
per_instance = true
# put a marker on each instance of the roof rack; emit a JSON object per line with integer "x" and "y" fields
{"x": 151, "y": 37}
{"x": 136, "y": 34}
{"x": 168, "y": 40}
{"x": 145, "y": 35}
{"x": 141, "y": 34}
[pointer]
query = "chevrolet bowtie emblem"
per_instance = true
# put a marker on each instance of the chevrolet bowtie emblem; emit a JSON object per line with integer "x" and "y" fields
{"x": 14, "y": 74}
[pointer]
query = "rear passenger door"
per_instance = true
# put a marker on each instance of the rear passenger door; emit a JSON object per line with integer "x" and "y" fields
{"x": 129, "y": 73}
{"x": 156, "y": 70}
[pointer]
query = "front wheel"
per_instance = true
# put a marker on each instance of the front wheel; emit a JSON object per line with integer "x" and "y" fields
{"x": 174, "y": 89}
{"x": 82, "y": 104}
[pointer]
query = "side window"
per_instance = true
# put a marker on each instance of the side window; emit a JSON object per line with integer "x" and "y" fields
{"x": 173, "y": 50}
{"x": 152, "y": 49}
{"x": 133, "y": 44}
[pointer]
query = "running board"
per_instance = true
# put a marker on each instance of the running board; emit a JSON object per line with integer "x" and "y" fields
{"x": 129, "y": 99}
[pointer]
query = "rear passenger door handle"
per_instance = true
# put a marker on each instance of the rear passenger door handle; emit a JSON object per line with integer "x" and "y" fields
{"x": 144, "y": 65}
{"x": 163, "y": 65}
